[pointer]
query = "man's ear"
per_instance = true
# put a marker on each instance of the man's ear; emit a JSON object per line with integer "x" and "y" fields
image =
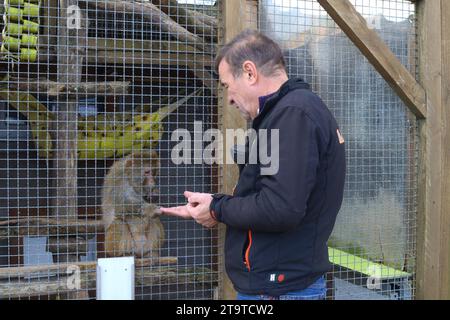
{"x": 250, "y": 72}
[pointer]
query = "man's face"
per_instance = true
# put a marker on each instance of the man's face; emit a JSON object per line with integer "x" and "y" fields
{"x": 240, "y": 92}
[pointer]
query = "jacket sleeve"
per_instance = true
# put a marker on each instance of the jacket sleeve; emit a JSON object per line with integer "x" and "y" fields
{"x": 280, "y": 204}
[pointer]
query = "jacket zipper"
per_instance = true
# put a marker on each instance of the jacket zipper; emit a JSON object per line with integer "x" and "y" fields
{"x": 247, "y": 251}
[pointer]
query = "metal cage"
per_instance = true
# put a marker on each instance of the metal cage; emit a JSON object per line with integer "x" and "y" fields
{"x": 84, "y": 85}
{"x": 91, "y": 83}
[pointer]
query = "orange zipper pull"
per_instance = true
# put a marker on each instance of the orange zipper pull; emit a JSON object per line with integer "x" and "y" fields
{"x": 247, "y": 252}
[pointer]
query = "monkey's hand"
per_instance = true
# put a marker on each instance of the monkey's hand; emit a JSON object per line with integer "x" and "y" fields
{"x": 151, "y": 210}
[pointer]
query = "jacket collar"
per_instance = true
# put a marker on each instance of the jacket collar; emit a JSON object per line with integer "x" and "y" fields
{"x": 268, "y": 102}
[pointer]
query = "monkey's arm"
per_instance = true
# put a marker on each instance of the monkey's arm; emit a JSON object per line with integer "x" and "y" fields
{"x": 151, "y": 210}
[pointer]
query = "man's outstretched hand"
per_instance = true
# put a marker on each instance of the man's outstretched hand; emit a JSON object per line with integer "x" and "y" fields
{"x": 197, "y": 208}
{"x": 180, "y": 211}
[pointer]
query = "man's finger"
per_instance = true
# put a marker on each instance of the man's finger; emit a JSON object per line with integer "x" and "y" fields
{"x": 170, "y": 210}
{"x": 180, "y": 211}
{"x": 188, "y": 194}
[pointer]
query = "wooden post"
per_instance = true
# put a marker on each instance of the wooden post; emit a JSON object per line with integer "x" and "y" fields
{"x": 445, "y": 218}
{"x": 433, "y": 241}
{"x": 71, "y": 48}
{"x": 71, "y": 42}
{"x": 236, "y": 17}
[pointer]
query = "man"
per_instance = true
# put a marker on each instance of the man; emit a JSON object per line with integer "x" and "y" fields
{"x": 278, "y": 224}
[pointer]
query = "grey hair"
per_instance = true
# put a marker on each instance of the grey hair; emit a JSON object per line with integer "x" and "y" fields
{"x": 253, "y": 46}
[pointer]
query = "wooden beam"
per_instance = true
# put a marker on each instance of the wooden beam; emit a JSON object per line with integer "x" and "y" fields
{"x": 228, "y": 118}
{"x": 25, "y": 271}
{"x": 136, "y": 45}
{"x": 54, "y": 89}
{"x": 144, "y": 276}
{"x": 71, "y": 37}
{"x": 144, "y": 52}
{"x": 139, "y": 57}
{"x": 433, "y": 242}
{"x": 445, "y": 103}
{"x": 378, "y": 54}
{"x": 47, "y": 226}
{"x": 71, "y": 48}
{"x": 237, "y": 15}
{"x": 133, "y": 57}
{"x": 188, "y": 19}
{"x": 160, "y": 49}
{"x": 196, "y": 63}
{"x": 126, "y": 51}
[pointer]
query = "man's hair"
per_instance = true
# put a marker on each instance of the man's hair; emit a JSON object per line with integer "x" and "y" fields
{"x": 253, "y": 46}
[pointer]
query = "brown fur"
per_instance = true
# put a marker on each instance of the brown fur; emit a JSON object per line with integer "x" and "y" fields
{"x": 132, "y": 226}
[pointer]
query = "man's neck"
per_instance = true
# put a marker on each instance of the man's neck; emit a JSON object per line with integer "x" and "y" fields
{"x": 273, "y": 84}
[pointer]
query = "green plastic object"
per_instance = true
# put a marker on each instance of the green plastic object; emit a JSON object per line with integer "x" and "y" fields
{"x": 28, "y": 55}
{"x": 30, "y": 26}
{"x": 12, "y": 29}
{"x": 364, "y": 266}
{"x": 11, "y": 43}
{"x": 13, "y": 13}
{"x": 30, "y": 10}
{"x": 29, "y": 40}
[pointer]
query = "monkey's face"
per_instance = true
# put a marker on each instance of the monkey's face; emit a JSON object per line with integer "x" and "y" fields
{"x": 150, "y": 189}
{"x": 144, "y": 169}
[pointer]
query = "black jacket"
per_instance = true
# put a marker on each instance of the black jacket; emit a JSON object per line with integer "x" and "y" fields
{"x": 278, "y": 225}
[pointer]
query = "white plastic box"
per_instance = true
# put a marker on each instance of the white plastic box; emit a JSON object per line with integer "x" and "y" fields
{"x": 115, "y": 278}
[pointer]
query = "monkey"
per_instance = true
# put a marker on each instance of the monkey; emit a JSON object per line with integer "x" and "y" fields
{"x": 130, "y": 218}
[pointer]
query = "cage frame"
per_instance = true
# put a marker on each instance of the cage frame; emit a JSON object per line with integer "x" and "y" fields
{"x": 427, "y": 98}
{"x": 64, "y": 220}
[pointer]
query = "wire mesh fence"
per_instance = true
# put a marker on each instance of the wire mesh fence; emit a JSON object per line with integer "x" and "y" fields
{"x": 91, "y": 92}
{"x": 372, "y": 246}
